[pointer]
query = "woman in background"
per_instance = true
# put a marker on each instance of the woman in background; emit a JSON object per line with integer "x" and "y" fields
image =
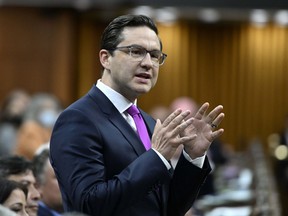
{"x": 13, "y": 196}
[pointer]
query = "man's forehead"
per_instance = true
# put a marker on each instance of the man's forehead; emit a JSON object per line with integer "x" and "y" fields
{"x": 23, "y": 177}
{"x": 140, "y": 35}
{"x": 131, "y": 31}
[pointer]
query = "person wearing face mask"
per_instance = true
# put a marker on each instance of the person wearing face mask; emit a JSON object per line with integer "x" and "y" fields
{"x": 13, "y": 196}
{"x": 12, "y": 111}
{"x": 37, "y": 125}
{"x": 110, "y": 157}
{"x": 19, "y": 169}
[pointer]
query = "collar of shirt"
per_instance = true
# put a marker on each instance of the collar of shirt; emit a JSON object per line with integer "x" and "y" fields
{"x": 119, "y": 101}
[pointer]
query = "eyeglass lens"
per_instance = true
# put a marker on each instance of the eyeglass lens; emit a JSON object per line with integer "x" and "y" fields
{"x": 139, "y": 53}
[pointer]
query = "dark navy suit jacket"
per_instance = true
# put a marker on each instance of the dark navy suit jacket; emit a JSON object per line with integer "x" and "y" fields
{"x": 44, "y": 210}
{"x": 103, "y": 168}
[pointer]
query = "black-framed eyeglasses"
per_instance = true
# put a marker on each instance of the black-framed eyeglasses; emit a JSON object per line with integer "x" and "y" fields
{"x": 138, "y": 53}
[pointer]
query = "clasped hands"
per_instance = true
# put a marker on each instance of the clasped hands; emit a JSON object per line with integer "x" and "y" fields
{"x": 195, "y": 133}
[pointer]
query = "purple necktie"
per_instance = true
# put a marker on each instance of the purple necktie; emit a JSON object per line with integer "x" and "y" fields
{"x": 141, "y": 127}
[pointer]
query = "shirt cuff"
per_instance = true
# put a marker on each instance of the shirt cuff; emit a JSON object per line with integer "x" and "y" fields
{"x": 167, "y": 164}
{"x": 199, "y": 161}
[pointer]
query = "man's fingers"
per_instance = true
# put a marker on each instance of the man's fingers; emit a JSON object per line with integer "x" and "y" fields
{"x": 201, "y": 112}
{"x": 175, "y": 118}
{"x": 157, "y": 126}
{"x": 171, "y": 117}
{"x": 217, "y": 133}
{"x": 216, "y": 122}
{"x": 172, "y": 130}
{"x": 212, "y": 116}
{"x": 185, "y": 139}
{"x": 180, "y": 128}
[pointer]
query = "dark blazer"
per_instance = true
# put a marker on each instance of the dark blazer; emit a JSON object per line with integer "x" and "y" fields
{"x": 103, "y": 168}
{"x": 43, "y": 210}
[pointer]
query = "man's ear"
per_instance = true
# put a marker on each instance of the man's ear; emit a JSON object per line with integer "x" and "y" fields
{"x": 104, "y": 57}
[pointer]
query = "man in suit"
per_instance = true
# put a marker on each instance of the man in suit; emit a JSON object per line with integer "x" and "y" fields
{"x": 51, "y": 201}
{"x": 102, "y": 167}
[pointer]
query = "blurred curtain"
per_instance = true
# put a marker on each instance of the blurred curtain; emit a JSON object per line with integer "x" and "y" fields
{"x": 241, "y": 66}
{"x": 235, "y": 64}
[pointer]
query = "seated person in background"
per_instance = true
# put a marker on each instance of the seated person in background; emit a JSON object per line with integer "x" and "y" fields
{"x": 38, "y": 122}
{"x": 284, "y": 132}
{"x": 19, "y": 169}
{"x": 281, "y": 166}
{"x": 13, "y": 195}
{"x": 51, "y": 200}
{"x": 11, "y": 115}
{"x": 160, "y": 112}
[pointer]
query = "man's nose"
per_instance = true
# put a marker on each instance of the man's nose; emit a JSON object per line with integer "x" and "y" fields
{"x": 35, "y": 194}
{"x": 147, "y": 60}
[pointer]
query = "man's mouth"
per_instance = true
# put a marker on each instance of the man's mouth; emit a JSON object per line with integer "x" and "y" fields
{"x": 34, "y": 207}
{"x": 144, "y": 75}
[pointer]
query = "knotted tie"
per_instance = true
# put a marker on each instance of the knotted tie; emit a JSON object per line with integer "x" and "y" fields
{"x": 140, "y": 125}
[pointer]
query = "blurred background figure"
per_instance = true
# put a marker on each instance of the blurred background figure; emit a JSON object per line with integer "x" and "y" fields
{"x": 47, "y": 184}
{"x": 185, "y": 103}
{"x": 12, "y": 110}
{"x": 284, "y": 133}
{"x": 160, "y": 112}
{"x": 19, "y": 169}
{"x": 278, "y": 143}
{"x": 38, "y": 122}
{"x": 13, "y": 196}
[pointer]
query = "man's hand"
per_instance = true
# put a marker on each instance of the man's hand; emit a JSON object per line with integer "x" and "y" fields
{"x": 203, "y": 130}
{"x": 166, "y": 137}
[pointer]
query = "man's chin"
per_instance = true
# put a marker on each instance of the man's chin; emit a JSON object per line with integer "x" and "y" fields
{"x": 143, "y": 89}
{"x": 32, "y": 211}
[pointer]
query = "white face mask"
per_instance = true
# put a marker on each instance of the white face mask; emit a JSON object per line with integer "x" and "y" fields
{"x": 48, "y": 117}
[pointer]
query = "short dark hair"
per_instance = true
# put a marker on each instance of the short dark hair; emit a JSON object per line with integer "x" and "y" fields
{"x": 39, "y": 163}
{"x": 14, "y": 165}
{"x": 112, "y": 34}
{"x": 8, "y": 186}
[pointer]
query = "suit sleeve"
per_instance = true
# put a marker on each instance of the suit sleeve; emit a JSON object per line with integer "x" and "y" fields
{"x": 185, "y": 186}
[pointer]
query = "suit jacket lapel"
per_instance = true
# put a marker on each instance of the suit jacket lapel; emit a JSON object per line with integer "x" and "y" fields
{"x": 117, "y": 119}
{"x": 127, "y": 132}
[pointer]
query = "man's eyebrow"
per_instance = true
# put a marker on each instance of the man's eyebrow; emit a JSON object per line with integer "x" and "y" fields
{"x": 139, "y": 46}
